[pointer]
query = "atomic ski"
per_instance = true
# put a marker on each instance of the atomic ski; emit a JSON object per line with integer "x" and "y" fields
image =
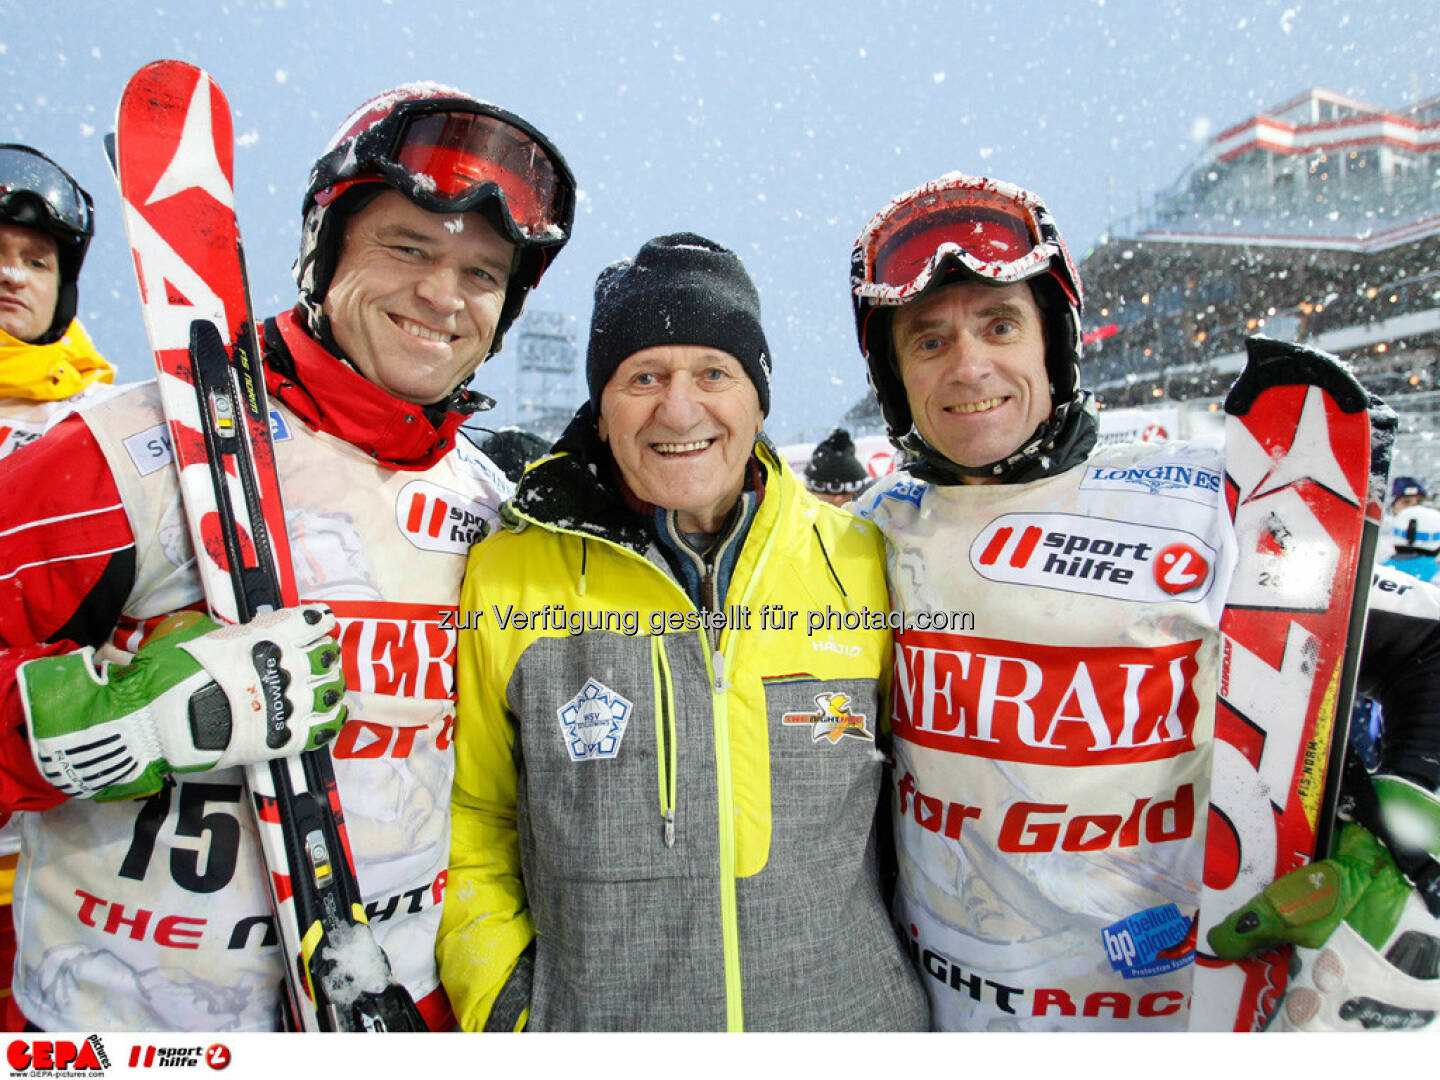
{"x": 1304, "y": 483}
{"x": 173, "y": 155}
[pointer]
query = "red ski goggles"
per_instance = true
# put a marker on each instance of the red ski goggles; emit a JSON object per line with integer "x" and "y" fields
{"x": 447, "y": 155}
{"x": 995, "y": 231}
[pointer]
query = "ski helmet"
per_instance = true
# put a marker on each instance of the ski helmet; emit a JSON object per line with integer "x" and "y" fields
{"x": 964, "y": 228}
{"x": 446, "y": 152}
{"x": 39, "y": 194}
{"x": 1417, "y": 529}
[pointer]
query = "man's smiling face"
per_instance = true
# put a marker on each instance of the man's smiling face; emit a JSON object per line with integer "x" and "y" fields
{"x": 972, "y": 358}
{"x": 417, "y": 295}
{"x": 681, "y": 422}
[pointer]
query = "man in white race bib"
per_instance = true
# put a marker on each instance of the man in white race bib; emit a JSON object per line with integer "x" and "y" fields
{"x": 140, "y": 900}
{"x": 1055, "y": 678}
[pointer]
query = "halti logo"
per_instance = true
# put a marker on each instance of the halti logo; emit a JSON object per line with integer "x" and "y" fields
{"x": 833, "y": 722}
{"x": 434, "y": 518}
{"x": 1193, "y": 483}
{"x": 1117, "y": 559}
{"x": 593, "y": 722}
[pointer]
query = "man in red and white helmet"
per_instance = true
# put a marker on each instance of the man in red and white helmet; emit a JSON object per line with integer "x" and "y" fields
{"x": 1056, "y": 676}
{"x": 140, "y": 900}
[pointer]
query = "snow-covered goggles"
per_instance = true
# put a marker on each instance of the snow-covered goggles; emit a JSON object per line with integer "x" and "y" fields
{"x": 995, "y": 231}
{"x": 450, "y": 155}
{"x": 27, "y": 175}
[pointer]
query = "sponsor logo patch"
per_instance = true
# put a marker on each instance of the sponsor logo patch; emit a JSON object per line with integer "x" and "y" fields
{"x": 832, "y": 720}
{"x": 150, "y": 449}
{"x": 1095, "y": 556}
{"x": 1170, "y": 479}
{"x": 983, "y": 992}
{"x": 400, "y": 650}
{"x": 1150, "y": 942}
{"x": 17, "y": 434}
{"x": 434, "y": 518}
{"x": 57, "y": 1057}
{"x": 1045, "y": 704}
{"x": 593, "y": 722}
{"x": 911, "y": 491}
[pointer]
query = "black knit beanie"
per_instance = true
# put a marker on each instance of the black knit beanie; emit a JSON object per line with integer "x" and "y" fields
{"x": 680, "y": 289}
{"x": 834, "y": 468}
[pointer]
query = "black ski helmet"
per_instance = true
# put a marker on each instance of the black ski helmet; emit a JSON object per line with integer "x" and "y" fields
{"x": 448, "y": 152}
{"x": 39, "y": 194}
{"x": 969, "y": 228}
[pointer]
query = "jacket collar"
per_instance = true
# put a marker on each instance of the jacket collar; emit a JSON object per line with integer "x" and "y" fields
{"x": 331, "y": 396}
{"x": 51, "y": 372}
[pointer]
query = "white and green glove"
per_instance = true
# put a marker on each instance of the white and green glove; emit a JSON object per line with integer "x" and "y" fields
{"x": 201, "y": 696}
{"x": 1367, "y": 954}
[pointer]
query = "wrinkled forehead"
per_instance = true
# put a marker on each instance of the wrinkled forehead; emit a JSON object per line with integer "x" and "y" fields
{"x": 17, "y": 237}
{"x": 967, "y": 298}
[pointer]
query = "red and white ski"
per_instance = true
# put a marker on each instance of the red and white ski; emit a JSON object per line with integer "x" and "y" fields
{"x": 173, "y": 154}
{"x": 1300, "y": 487}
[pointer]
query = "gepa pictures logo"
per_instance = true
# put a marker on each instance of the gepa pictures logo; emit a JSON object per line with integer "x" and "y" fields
{"x": 57, "y": 1057}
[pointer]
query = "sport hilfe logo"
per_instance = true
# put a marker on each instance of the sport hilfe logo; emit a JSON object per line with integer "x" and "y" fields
{"x": 1117, "y": 559}
{"x": 434, "y": 518}
{"x": 145, "y": 1056}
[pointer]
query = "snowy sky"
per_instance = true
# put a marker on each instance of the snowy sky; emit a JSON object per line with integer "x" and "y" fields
{"x": 777, "y": 129}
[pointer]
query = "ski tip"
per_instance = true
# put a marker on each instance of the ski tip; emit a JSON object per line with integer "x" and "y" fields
{"x": 1285, "y": 363}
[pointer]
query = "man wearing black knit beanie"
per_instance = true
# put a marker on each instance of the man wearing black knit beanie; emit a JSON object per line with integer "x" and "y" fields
{"x": 679, "y": 289}
{"x": 646, "y": 813}
{"x": 834, "y": 474}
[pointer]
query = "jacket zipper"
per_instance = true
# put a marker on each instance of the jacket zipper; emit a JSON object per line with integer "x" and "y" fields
{"x": 666, "y": 744}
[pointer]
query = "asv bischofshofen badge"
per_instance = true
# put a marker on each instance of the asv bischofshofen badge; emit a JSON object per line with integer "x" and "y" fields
{"x": 593, "y": 722}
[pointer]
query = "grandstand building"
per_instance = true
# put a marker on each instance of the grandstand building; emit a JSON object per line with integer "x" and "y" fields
{"x": 1317, "y": 220}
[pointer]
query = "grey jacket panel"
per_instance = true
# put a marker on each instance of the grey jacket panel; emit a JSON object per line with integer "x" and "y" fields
{"x": 629, "y": 931}
{"x": 819, "y": 891}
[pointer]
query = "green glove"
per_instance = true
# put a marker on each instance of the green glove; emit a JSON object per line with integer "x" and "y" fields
{"x": 201, "y": 697}
{"x": 1367, "y": 954}
{"x": 1359, "y": 884}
